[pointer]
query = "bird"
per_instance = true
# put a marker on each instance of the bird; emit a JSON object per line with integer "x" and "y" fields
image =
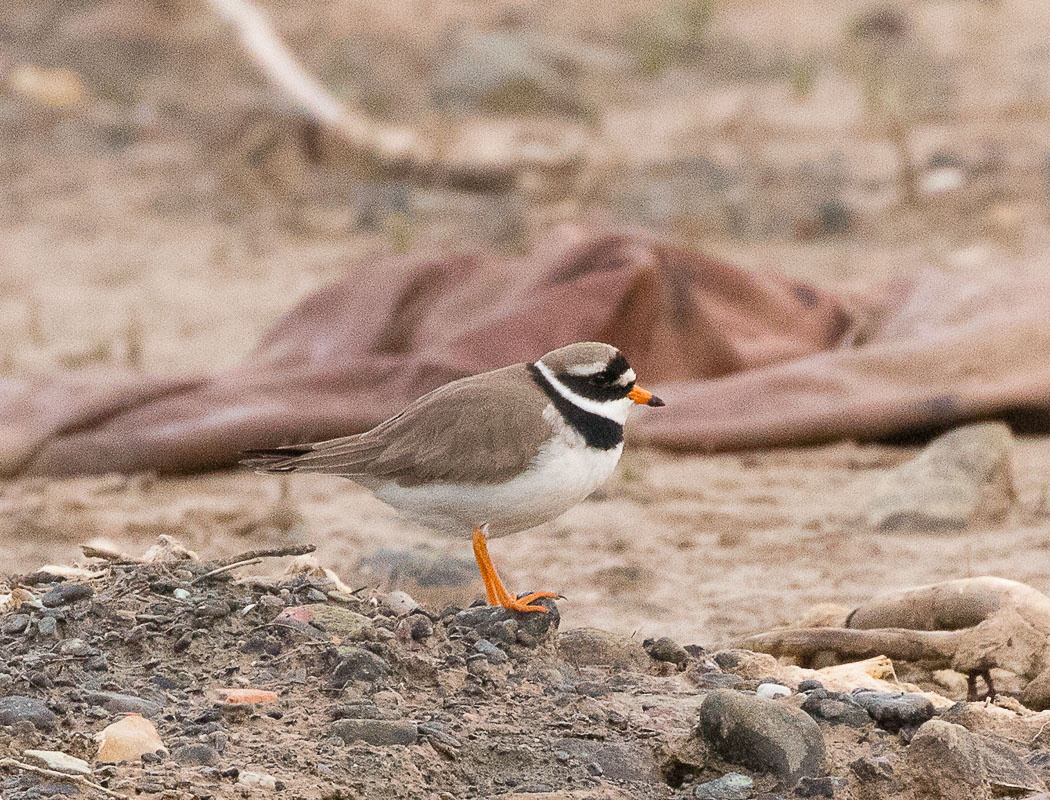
{"x": 493, "y": 453}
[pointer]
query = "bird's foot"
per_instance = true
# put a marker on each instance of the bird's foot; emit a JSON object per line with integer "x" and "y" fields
{"x": 494, "y": 588}
{"x": 524, "y": 604}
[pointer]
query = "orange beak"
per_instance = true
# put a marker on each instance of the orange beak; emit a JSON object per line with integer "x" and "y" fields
{"x": 644, "y": 397}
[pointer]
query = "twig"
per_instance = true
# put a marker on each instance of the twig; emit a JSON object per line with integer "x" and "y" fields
{"x": 54, "y": 773}
{"x": 254, "y": 557}
{"x": 276, "y": 552}
{"x": 227, "y": 568}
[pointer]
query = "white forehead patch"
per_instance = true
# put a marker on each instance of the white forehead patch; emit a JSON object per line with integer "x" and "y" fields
{"x": 627, "y": 378}
{"x": 593, "y": 368}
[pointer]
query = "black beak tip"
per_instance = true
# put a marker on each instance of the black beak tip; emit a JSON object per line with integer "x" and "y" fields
{"x": 655, "y": 402}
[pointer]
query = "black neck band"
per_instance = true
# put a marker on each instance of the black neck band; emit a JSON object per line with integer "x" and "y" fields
{"x": 597, "y": 431}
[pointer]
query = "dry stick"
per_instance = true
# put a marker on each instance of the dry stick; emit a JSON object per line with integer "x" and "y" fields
{"x": 896, "y": 643}
{"x": 397, "y": 149}
{"x": 54, "y": 773}
{"x": 254, "y": 557}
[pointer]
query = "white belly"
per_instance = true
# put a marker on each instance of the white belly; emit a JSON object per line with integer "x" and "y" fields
{"x": 563, "y": 473}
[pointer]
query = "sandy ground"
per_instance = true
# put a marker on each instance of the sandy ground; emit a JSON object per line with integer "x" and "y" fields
{"x": 158, "y": 250}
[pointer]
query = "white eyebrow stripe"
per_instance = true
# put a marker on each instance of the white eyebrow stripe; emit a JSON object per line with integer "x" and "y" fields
{"x": 593, "y": 406}
{"x": 587, "y": 369}
{"x": 627, "y": 377}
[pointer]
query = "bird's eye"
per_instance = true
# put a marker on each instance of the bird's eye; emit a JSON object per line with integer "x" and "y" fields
{"x": 601, "y": 379}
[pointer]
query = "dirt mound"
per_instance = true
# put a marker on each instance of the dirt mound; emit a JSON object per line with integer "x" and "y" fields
{"x": 298, "y": 686}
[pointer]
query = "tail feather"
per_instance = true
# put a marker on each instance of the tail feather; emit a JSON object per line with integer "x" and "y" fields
{"x": 274, "y": 459}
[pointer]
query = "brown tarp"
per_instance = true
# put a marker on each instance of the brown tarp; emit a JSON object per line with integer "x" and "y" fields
{"x": 743, "y": 359}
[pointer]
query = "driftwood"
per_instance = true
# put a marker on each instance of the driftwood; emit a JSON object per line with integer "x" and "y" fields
{"x": 972, "y": 625}
{"x": 480, "y": 156}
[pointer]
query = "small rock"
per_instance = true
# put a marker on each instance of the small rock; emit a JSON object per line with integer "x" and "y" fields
{"x": 768, "y": 691}
{"x": 590, "y": 647}
{"x": 358, "y": 664}
{"x": 1007, "y": 773}
{"x": 943, "y": 762}
{"x": 748, "y": 665}
{"x": 376, "y": 731}
{"x": 361, "y": 709}
{"x": 66, "y": 593}
{"x": 212, "y": 609}
{"x": 895, "y": 711}
{"x": 667, "y": 649}
{"x": 872, "y": 770}
{"x": 415, "y": 627}
{"x": 197, "y": 754}
{"x": 764, "y": 736}
{"x": 401, "y": 603}
{"x": 1036, "y": 695}
{"x": 498, "y": 624}
{"x": 128, "y": 739}
{"x": 181, "y": 594}
{"x": 491, "y": 652}
{"x": 48, "y": 626}
{"x": 836, "y": 708}
{"x": 962, "y": 477}
{"x": 15, "y": 709}
{"x": 256, "y": 780}
{"x": 809, "y": 685}
{"x": 247, "y": 696}
{"x": 819, "y": 787}
{"x": 731, "y": 786}
{"x": 60, "y": 761}
{"x": 124, "y": 704}
{"x": 16, "y": 623}
{"x": 338, "y": 622}
{"x": 77, "y": 648}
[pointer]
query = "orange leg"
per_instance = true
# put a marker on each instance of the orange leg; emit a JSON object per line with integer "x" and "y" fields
{"x": 494, "y": 588}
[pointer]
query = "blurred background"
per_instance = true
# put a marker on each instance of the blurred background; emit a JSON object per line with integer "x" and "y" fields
{"x": 162, "y": 202}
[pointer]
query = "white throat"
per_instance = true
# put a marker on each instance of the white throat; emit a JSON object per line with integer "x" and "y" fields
{"x": 616, "y": 410}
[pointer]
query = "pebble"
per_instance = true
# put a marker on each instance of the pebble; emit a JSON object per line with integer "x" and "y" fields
{"x": 590, "y": 647}
{"x": 15, "y": 709}
{"x": 768, "y": 691}
{"x": 181, "y": 594}
{"x": 667, "y": 649}
{"x": 498, "y": 624}
{"x": 77, "y": 648}
{"x": 401, "y": 603}
{"x": 731, "y": 786}
{"x": 257, "y": 780}
{"x": 124, "y": 704}
{"x": 212, "y": 609}
{"x": 128, "y": 739}
{"x": 943, "y": 762}
{"x": 836, "y": 708}
{"x": 197, "y": 754}
{"x": 617, "y": 761}
{"x": 809, "y": 685}
{"x": 358, "y": 664}
{"x": 819, "y": 786}
{"x": 342, "y": 623}
{"x": 714, "y": 680}
{"x": 361, "y": 709}
{"x": 895, "y": 711}
{"x": 16, "y": 623}
{"x": 764, "y": 736}
{"x": 66, "y": 593}
{"x": 872, "y": 769}
{"x": 47, "y": 626}
{"x": 376, "y": 731}
{"x": 60, "y": 761}
{"x": 415, "y": 627}
{"x": 745, "y": 663}
{"x": 491, "y": 652}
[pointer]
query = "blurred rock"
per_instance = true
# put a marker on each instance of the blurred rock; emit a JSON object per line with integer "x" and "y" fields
{"x": 15, "y": 709}
{"x": 128, "y": 739}
{"x": 961, "y": 478}
{"x": 731, "y": 786}
{"x": 895, "y": 711}
{"x": 764, "y": 736}
{"x": 585, "y": 647}
{"x": 943, "y": 762}
{"x": 618, "y": 761}
{"x": 376, "y": 731}
{"x": 746, "y": 664}
{"x": 666, "y": 649}
{"x": 60, "y": 761}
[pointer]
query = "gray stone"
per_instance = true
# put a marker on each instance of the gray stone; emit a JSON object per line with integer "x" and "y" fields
{"x": 875, "y": 772}
{"x": 836, "y": 708}
{"x": 667, "y": 649}
{"x": 714, "y": 680}
{"x": 77, "y": 648}
{"x": 895, "y": 711}
{"x": 497, "y": 624}
{"x": 731, "y": 786}
{"x": 944, "y": 762}
{"x": 1036, "y": 694}
{"x": 962, "y": 477}
{"x": 358, "y": 664}
{"x": 617, "y": 761}
{"x": 376, "y": 731}
{"x": 125, "y": 704}
{"x": 66, "y": 593}
{"x": 819, "y": 787}
{"x": 809, "y": 685}
{"x": 197, "y": 754}
{"x": 16, "y": 623}
{"x": 491, "y": 652}
{"x": 763, "y": 736}
{"x": 1007, "y": 773}
{"x": 590, "y": 647}
{"x": 47, "y": 626}
{"x": 15, "y": 709}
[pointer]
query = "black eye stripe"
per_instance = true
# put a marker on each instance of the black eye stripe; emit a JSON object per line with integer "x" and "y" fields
{"x": 585, "y": 386}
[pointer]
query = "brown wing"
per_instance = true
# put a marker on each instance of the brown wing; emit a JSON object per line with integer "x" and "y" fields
{"x": 482, "y": 429}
